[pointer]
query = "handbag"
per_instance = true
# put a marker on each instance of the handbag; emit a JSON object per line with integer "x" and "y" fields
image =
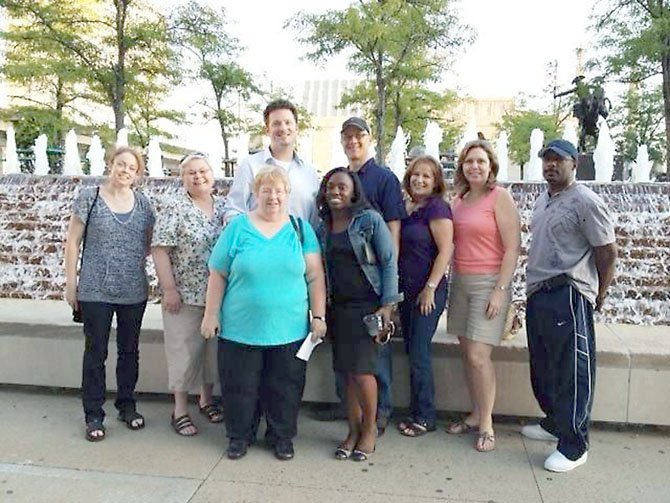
{"x": 76, "y": 312}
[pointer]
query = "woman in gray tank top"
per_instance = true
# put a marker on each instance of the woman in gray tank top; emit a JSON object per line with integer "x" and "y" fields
{"x": 112, "y": 223}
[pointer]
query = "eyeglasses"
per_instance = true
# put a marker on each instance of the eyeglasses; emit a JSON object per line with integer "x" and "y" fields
{"x": 189, "y": 157}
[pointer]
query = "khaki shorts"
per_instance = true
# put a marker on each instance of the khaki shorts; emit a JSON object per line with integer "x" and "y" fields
{"x": 466, "y": 316}
{"x": 191, "y": 359}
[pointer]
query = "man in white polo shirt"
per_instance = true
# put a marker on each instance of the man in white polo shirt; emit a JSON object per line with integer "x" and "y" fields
{"x": 570, "y": 267}
{"x": 281, "y": 125}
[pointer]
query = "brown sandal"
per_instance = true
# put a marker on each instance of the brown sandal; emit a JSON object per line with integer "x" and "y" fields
{"x": 460, "y": 427}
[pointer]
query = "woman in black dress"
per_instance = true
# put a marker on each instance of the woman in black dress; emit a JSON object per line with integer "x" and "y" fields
{"x": 362, "y": 279}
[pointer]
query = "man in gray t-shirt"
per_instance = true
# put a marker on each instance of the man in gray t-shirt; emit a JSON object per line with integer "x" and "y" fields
{"x": 570, "y": 267}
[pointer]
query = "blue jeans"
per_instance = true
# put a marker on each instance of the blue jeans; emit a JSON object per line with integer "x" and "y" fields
{"x": 97, "y": 317}
{"x": 384, "y": 377}
{"x": 418, "y": 332}
{"x": 562, "y": 348}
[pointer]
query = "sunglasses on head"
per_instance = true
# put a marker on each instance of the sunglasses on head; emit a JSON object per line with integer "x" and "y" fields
{"x": 190, "y": 157}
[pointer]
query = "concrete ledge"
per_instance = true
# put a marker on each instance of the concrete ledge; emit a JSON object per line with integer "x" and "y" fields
{"x": 41, "y": 346}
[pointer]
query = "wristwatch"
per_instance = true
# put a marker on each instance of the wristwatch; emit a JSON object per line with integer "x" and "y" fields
{"x": 431, "y": 285}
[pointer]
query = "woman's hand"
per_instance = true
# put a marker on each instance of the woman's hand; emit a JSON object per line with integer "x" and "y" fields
{"x": 385, "y": 312}
{"x": 210, "y": 326}
{"x": 495, "y": 303}
{"x": 318, "y": 329}
{"x": 71, "y": 295}
{"x": 172, "y": 300}
{"x": 426, "y": 301}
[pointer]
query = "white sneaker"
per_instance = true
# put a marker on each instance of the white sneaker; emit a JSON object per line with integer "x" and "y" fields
{"x": 557, "y": 462}
{"x": 536, "y": 432}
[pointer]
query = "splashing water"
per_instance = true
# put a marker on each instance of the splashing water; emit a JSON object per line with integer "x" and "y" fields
{"x": 71, "y": 160}
{"x": 603, "y": 155}
{"x": 532, "y": 171}
{"x": 96, "y": 156}
{"x": 122, "y": 138}
{"x": 642, "y": 167}
{"x": 503, "y": 158}
{"x": 432, "y": 137}
{"x": 40, "y": 152}
{"x": 11, "y": 165}
{"x": 396, "y": 157}
{"x": 155, "y": 159}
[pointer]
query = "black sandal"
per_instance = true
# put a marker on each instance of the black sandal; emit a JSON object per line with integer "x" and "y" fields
{"x": 95, "y": 430}
{"x": 133, "y": 419}
{"x": 213, "y": 413}
{"x": 179, "y": 424}
{"x": 417, "y": 429}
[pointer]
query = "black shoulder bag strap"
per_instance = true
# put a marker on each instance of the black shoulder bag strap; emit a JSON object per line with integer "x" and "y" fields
{"x": 296, "y": 222}
{"x": 88, "y": 218}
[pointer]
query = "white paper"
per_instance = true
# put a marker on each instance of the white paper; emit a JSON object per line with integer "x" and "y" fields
{"x": 307, "y": 347}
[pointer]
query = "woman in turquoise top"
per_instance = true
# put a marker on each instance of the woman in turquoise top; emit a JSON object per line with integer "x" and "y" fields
{"x": 265, "y": 278}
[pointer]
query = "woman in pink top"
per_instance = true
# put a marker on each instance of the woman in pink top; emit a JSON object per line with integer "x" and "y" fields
{"x": 486, "y": 240}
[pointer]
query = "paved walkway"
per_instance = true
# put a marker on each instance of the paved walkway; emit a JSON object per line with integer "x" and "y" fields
{"x": 45, "y": 458}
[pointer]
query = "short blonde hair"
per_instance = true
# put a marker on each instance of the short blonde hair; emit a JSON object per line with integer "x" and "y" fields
{"x": 195, "y": 156}
{"x": 271, "y": 174}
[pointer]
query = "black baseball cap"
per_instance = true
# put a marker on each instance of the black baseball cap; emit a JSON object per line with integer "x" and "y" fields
{"x": 357, "y": 122}
{"x": 561, "y": 147}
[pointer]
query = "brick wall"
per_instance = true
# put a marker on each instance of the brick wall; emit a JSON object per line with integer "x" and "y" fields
{"x": 34, "y": 213}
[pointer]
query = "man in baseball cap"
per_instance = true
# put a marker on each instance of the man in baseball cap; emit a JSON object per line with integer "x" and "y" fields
{"x": 563, "y": 148}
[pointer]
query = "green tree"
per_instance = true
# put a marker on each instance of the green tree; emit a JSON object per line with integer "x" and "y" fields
{"x": 388, "y": 41}
{"x": 117, "y": 47}
{"x": 635, "y": 36}
{"x": 640, "y": 118}
{"x": 212, "y": 54}
{"x": 519, "y": 124}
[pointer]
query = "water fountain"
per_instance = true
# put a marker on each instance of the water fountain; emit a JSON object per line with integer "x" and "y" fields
{"x": 503, "y": 157}
{"x": 122, "y": 137}
{"x": 570, "y": 132}
{"x": 603, "y": 155}
{"x": 470, "y": 134}
{"x": 155, "y": 159}
{"x": 432, "y": 137}
{"x": 11, "y": 165}
{"x": 216, "y": 161}
{"x": 396, "y": 157}
{"x": 40, "y": 151}
{"x": 71, "y": 160}
{"x": 642, "y": 168}
{"x": 532, "y": 171}
{"x": 96, "y": 157}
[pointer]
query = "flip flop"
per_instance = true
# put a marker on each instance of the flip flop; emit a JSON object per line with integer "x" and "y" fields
{"x": 486, "y": 442}
{"x": 460, "y": 427}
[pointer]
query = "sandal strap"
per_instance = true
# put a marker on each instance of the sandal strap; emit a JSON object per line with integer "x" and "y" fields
{"x": 182, "y": 422}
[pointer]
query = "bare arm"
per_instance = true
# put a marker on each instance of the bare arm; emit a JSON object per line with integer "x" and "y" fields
{"x": 509, "y": 227}
{"x": 442, "y": 230}
{"x": 605, "y": 257}
{"x": 216, "y": 286}
{"x": 316, "y": 284}
{"x": 163, "y": 264}
{"x": 75, "y": 232}
{"x": 394, "y": 227}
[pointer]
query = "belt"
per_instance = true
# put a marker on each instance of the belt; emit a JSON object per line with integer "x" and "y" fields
{"x": 553, "y": 283}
